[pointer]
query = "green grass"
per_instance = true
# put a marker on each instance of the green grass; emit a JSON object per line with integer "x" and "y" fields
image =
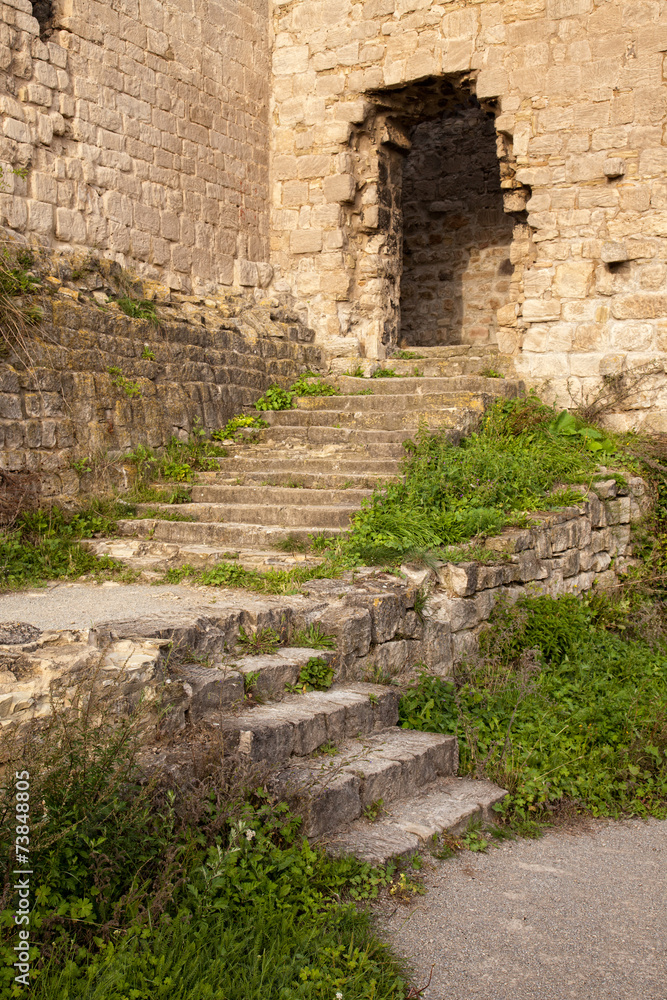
{"x": 227, "y": 574}
{"x": 567, "y": 703}
{"x": 45, "y": 545}
{"x": 524, "y": 458}
{"x": 153, "y": 891}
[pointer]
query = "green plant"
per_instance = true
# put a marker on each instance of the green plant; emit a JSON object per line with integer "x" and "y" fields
{"x": 235, "y": 424}
{"x": 385, "y": 373}
{"x": 417, "y": 372}
{"x": 312, "y": 637}
{"x": 138, "y": 309}
{"x": 374, "y": 811}
{"x": 17, "y": 284}
{"x": 406, "y": 356}
{"x": 491, "y": 373}
{"x": 82, "y": 466}
{"x": 357, "y": 372}
{"x": 119, "y": 381}
{"x": 451, "y": 493}
{"x": 147, "y": 354}
{"x": 307, "y": 384}
{"x": 140, "y": 886}
{"x": 259, "y": 642}
{"x": 562, "y": 706}
{"x": 250, "y": 681}
{"x": 291, "y": 544}
{"x": 316, "y": 675}
{"x": 363, "y": 392}
{"x": 275, "y": 398}
{"x": 567, "y": 425}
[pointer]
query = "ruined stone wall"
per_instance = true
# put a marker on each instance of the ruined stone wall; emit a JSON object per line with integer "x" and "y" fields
{"x": 456, "y": 236}
{"x": 92, "y": 383}
{"x": 579, "y": 92}
{"x": 142, "y": 129}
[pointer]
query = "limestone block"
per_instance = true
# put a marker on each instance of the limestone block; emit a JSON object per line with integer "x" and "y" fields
{"x": 572, "y": 279}
{"x": 458, "y": 613}
{"x": 306, "y": 241}
{"x": 459, "y": 579}
{"x": 245, "y": 273}
{"x": 618, "y": 511}
{"x": 614, "y": 253}
{"x": 386, "y": 611}
{"x": 340, "y": 188}
{"x": 605, "y": 489}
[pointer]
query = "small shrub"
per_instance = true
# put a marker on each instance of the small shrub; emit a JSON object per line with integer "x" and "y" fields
{"x": 119, "y": 381}
{"x": 138, "y": 309}
{"x": 316, "y": 675}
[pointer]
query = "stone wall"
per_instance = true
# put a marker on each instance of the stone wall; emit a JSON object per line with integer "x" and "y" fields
{"x": 579, "y": 94}
{"x": 456, "y": 236}
{"x": 142, "y": 128}
{"x": 93, "y": 383}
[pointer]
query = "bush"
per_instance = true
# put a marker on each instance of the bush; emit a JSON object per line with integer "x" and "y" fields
{"x": 559, "y": 708}
{"x": 149, "y": 890}
{"x": 451, "y": 493}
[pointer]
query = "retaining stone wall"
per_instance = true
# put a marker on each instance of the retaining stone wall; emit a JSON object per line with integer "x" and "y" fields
{"x": 206, "y": 360}
{"x": 144, "y": 130}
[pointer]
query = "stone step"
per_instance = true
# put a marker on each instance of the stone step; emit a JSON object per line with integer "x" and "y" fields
{"x": 315, "y": 481}
{"x": 412, "y": 823}
{"x": 374, "y": 425}
{"x": 156, "y": 557}
{"x": 435, "y": 366}
{"x": 301, "y": 462}
{"x": 334, "y": 789}
{"x": 392, "y": 403}
{"x": 416, "y": 386}
{"x": 241, "y": 535}
{"x": 219, "y": 494}
{"x": 298, "y": 515}
{"x": 453, "y": 351}
{"x": 239, "y": 680}
{"x": 300, "y": 723}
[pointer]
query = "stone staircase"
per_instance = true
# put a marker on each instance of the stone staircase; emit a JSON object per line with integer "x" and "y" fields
{"x": 307, "y": 473}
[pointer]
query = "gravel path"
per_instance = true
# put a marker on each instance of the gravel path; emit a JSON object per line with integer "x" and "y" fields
{"x": 82, "y": 605}
{"x": 569, "y": 917}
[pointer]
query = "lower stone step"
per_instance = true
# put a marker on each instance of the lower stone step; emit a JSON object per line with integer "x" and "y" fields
{"x": 333, "y": 789}
{"x": 259, "y": 536}
{"x": 411, "y": 824}
{"x": 299, "y": 513}
{"x": 300, "y": 723}
{"x": 157, "y": 557}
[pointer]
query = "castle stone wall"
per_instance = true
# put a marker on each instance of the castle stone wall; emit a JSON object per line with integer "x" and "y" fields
{"x": 142, "y": 129}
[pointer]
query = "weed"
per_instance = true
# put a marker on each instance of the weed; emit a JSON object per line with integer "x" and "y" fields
{"x": 363, "y": 392}
{"x": 259, "y": 642}
{"x": 235, "y": 424}
{"x": 385, "y": 373}
{"x": 250, "y": 681}
{"x": 327, "y": 749}
{"x": 291, "y": 544}
{"x": 418, "y": 372}
{"x": 421, "y": 600}
{"x": 118, "y": 380}
{"x": 491, "y": 373}
{"x": 374, "y": 811}
{"x": 17, "y": 284}
{"x": 405, "y": 889}
{"x": 451, "y": 493}
{"x": 147, "y": 354}
{"x": 138, "y": 309}
{"x": 289, "y": 581}
{"x": 357, "y": 372}
{"x": 406, "y": 356}
{"x": 316, "y": 675}
{"x": 275, "y": 398}
{"x": 561, "y": 706}
{"x": 82, "y": 466}
{"x": 312, "y": 637}
{"x": 307, "y": 384}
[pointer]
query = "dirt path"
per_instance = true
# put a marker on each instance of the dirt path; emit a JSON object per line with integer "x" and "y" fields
{"x": 578, "y": 916}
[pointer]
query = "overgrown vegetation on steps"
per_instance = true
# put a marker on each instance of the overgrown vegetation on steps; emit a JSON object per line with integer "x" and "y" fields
{"x": 565, "y": 704}
{"x": 151, "y": 889}
{"x": 525, "y": 457}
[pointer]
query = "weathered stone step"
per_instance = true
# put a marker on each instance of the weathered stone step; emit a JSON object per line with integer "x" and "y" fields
{"x": 239, "y": 534}
{"x": 452, "y": 351}
{"x": 379, "y": 421}
{"x": 409, "y": 824}
{"x": 156, "y": 556}
{"x": 335, "y": 789}
{"x": 315, "y": 481}
{"x": 220, "y": 494}
{"x": 393, "y": 403}
{"x": 416, "y": 386}
{"x": 301, "y": 723}
{"x": 366, "y": 431}
{"x": 433, "y": 367}
{"x": 289, "y": 515}
{"x": 226, "y": 685}
{"x": 354, "y": 464}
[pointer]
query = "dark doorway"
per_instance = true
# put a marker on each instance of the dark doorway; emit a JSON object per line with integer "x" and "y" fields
{"x": 456, "y": 237}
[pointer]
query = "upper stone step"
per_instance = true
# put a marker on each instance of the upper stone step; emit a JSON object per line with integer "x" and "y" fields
{"x": 355, "y": 463}
{"x": 453, "y": 351}
{"x": 393, "y": 403}
{"x": 417, "y": 386}
{"x": 372, "y": 426}
{"x": 257, "y": 512}
{"x": 209, "y": 533}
